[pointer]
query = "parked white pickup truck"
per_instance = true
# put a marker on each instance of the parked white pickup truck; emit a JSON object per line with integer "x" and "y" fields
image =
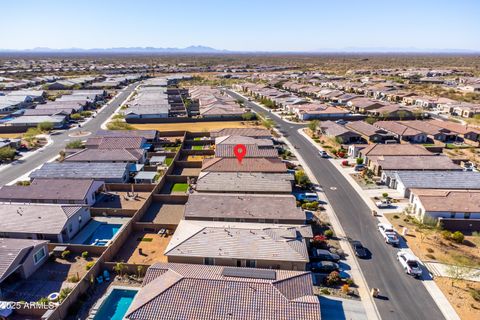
{"x": 409, "y": 263}
{"x": 389, "y": 235}
{"x": 384, "y": 203}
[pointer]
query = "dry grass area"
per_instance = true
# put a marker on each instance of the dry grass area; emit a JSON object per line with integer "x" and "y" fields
{"x": 472, "y": 154}
{"x": 198, "y": 158}
{"x": 428, "y": 244}
{"x": 197, "y": 126}
{"x": 460, "y": 297}
{"x": 10, "y": 135}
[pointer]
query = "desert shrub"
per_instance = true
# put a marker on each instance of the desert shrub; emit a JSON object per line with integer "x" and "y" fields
{"x": 325, "y": 291}
{"x": 396, "y": 216}
{"x": 328, "y": 233}
{"x": 359, "y": 160}
{"x": 89, "y": 265}
{"x": 430, "y": 256}
{"x": 350, "y": 282}
{"x": 446, "y": 234}
{"x": 385, "y": 195}
{"x": 345, "y": 288}
{"x": 75, "y": 144}
{"x": 333, "y": 278}
{"x": 85, "y": 254}
{"x": 66, "y": 254}
{"x": 475, "y": 293}
{"x": 458, "y": 237}
{"x": 74, "y": 279}
{"x": 76, "y": 116}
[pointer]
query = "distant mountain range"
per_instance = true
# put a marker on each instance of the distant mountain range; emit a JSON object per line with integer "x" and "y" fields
{"x": 204, "y": 49}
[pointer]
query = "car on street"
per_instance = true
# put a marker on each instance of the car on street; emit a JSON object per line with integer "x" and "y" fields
{"x": 359, "y": 249}
{"x": 324, "y": 266}
{"x": 323, "y": 154}
{"x": 323, "y": 255}
{"x": 388, "y": 233}
{"x": 307, "y": 196}
{"x": 359, "y": 167}
{"x": 409, "y": 264}
{"x": 383, "y": 204}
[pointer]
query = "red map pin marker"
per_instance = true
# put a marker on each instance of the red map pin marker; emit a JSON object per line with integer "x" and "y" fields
{"x": 240, "y": 151}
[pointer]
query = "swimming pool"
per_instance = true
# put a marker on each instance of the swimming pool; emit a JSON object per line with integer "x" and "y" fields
{"x": 102, "y": 234}
{"x": 115, "y": 305}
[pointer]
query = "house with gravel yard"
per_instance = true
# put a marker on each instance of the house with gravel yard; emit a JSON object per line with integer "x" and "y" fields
{"x": 215, "y": 292}
{"x": 266, "y": 165}
{"x": 251, "y": 208}
{"x": 369, "y": 132}
{"x": 99, "y": 171}
{"x": 54, "y": 222}
{"x": 254, "y": 245}
{"x": 433, "y": 204}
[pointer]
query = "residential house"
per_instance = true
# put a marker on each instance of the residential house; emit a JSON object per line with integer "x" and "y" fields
{"x": 383, "y": 150}
{"x": 108, "y": 155}
{"x": 424, "y": 162}
{"x": 99, "y": 171}
{"x": 149, "y": 135}
{"x": 116, "y": 143}
{"x": 432, "y": 131}
{"x": 405, "y": 181}
{"x": 432, "y": 204}
{"x": 58, "y": 121}
{"x": 362, "y": 104}
{"x": 21, "y": 257}
{"x": 185, "y": 291}
{"x": 244, "y": 182}
{"x": 471, "y": 134}
{"x": 266, "y": 165}
{"x": 230, "y": 244}
{"x": 246, "y": 132}
{"x": 61, "y": 191}
{"x": 402, "y": 132}
{"x": 54, "y": 222}
{"x": 244, "y": 208}
{"x": 369, "y": 132}
{"x": 339, "y": 132}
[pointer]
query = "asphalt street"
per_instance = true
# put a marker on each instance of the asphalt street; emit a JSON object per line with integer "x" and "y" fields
{"x": 21, "y": 167}
{"x": 402, "y": 296}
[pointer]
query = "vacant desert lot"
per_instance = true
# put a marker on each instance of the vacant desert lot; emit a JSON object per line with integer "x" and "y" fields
{"x": 197, "y": 126}
{"x": 10, "y": 135}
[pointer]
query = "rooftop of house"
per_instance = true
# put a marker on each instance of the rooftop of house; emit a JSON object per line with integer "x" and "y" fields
{"x": 438, "y": 162}
{"x": 244, "y": 182}
{"x": 247, "y": 165}
{"x": 131, "y": 155}
{"x": 397, "y": 128}
{"x": 185, "y": 291}
{"x": 395, "y": 150}
{"x": 424, "y": 126}
{"x": 243, "y": 206}
{"x": 48, "y": 189}
{"x": 195, "y": 238}
{"x": 80, "y": 170}
{"x": 235, "y": 139}
{"x": 12, "y": 253}
{"x": 365, "y": 128}
{"x": 437, "y": 179}
{"x": 252, "y": 151}
{"x": 147, "y": 134}
{"x": 454, "y": 127}
{"x": 35, "y": 218}
{"x": 123, "y": 142}
{"x": 449, "y": 200}
{"x": 334, "y": 129}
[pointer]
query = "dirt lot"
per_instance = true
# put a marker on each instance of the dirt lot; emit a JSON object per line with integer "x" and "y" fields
{"x": 144, "y": 248}
{"x": 10, "y": 135}
{"x": 196, "y": 126}
{"x": 119, "y": 199}
{"x": 428, "y": 244}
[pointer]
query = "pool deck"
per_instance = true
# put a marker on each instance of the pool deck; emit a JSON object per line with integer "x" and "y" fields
{"x": 120, "y": 200}
{"x": 93, "y": 224}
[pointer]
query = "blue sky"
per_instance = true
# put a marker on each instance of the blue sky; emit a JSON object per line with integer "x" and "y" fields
{"x": 259, "y": 25}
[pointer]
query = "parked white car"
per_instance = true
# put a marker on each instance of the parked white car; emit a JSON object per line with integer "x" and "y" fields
{"x": 388, "y": 233}
{"x": 384, "y": 203}
{"x": 409, "y": 263}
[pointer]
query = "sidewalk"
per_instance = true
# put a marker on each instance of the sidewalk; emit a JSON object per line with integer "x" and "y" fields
{"x": 440, "y": 270}
{"x": 356, "y": 273}
{"x": 437, "y": 295}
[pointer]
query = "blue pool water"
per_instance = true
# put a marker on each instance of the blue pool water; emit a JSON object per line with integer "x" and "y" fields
{"x": 103, "y": 233}
{"x": 116, "y": 305}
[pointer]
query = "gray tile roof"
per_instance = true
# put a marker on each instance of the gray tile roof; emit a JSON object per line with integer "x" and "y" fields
{"x": 12, "y": 252}
{"x": 35, "y": 218}
{"x": 249, "y": 132}
{"x": 253, "y": 151}
{"x": 132, "y": 155}
{"x": 232, "y": 240}
{"x": 244, "y": 182}
{"x": 115, "y": 142}
{"x": 438, "y": 179}
{"x": 247, "y": 165}
{"x": 179, "y": 291}
{"x": 47, "y": 189}
{"x": 416, "y": 163}
{"x": 243, "y": 206}
{"x": 80, "y": 170}
{"x": 147, "y": 134}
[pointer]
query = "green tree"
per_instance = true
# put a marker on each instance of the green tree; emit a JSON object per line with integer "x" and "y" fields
{"x": 7, "y": 153}
{"x": 45, "y": 126}
{"x": 313, "y": 125}
{"x": 359, "y": 160}
{"x": 301, "y": 178}
{"x": 247, "y": 116}
{"x": 76, "y": 116}
{"x": 401, "y": 114}
{"x": 268, "y": 123}
{"x": 370, "y": 120}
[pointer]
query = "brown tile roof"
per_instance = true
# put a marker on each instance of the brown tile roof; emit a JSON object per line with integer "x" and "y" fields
{"x": 395, "y": 150}
{"x": 448, "y": 200}
{"x": 455, "y": 127}
{"x": 244, "y": 182}
{"x": 364, "y": 128}
{"x": 247, "y": 165}
{"x": 243, "y": 206}
{"x": 101, "y": 155}
{"x": 397, "y": 128}
{"x": 147, "y": 134}
{"x": 115, "y": 142}
{"x": 47, "y": 189}
{"x": 183, "y": 291}
{"x": 253, "y": 151}
{"x": 415, "y": 162}
{"x": 423, "y": 126}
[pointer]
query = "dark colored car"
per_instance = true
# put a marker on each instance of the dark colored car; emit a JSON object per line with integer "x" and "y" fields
{"x": 324, "y": 266}
{"x": 324, "y": 255}
{"x": 359, "y": 249}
